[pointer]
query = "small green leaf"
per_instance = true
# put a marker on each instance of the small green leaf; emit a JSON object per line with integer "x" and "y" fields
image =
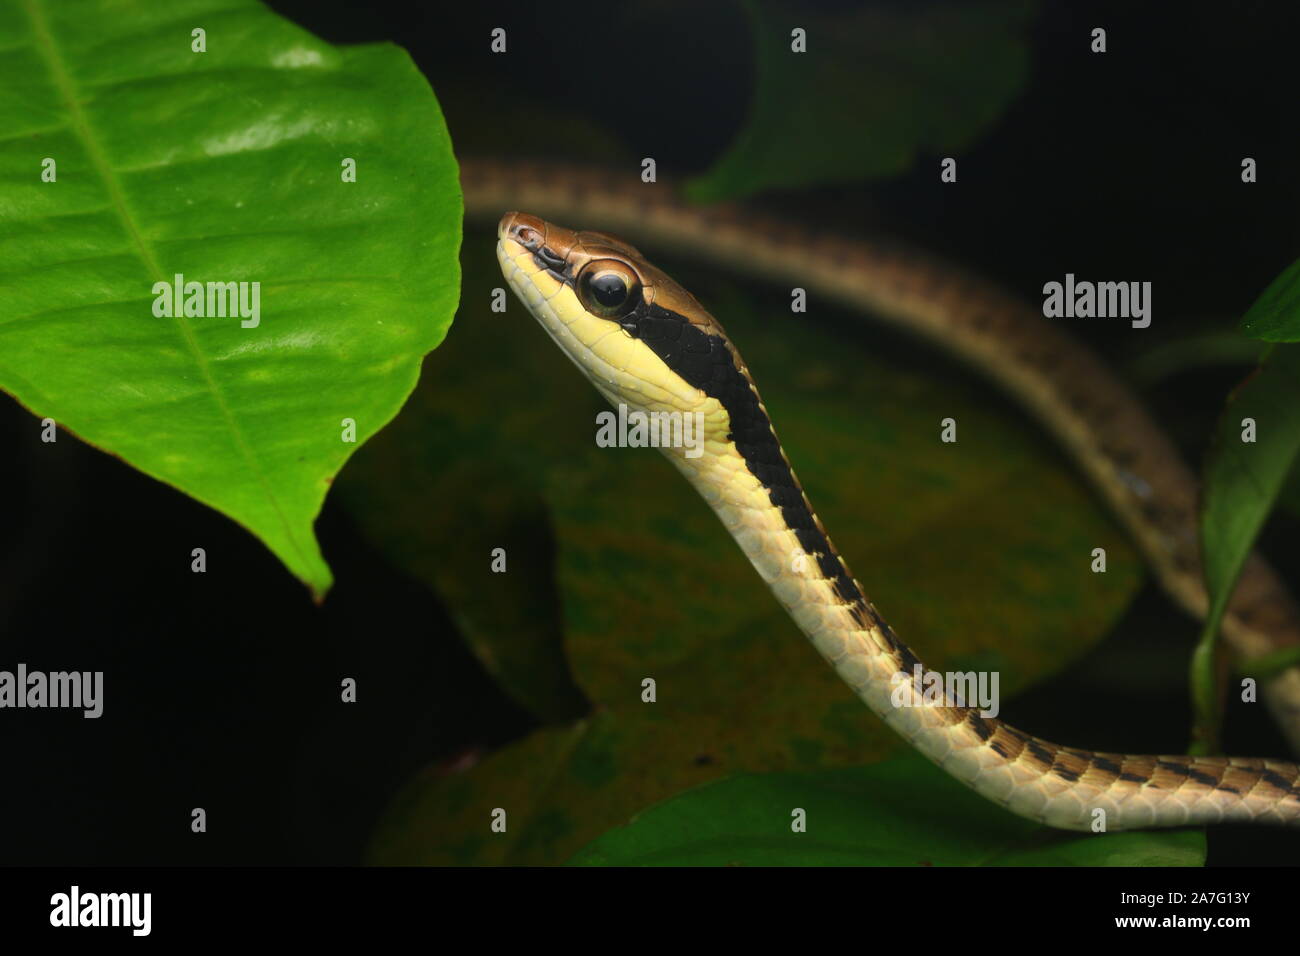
{"x": 1242, "y": 481}
{"x": 1243, "y": 478}
{"x": 904, "y": 812}
{"x": 222, "y": 166}
{"x": 1275, "y": 316}
{"x": 924, "y": 78}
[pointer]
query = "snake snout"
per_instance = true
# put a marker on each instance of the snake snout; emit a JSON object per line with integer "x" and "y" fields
{"x": 528, "y": 231}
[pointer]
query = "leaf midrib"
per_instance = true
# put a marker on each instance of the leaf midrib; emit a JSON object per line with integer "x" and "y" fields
{"x": 48, "y": 49}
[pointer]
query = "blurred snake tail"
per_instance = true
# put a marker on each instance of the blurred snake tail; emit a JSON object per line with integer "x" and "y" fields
{"x": 645, "y": 342}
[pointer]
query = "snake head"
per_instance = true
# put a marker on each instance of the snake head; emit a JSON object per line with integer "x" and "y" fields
{"x": 641, "y": 338}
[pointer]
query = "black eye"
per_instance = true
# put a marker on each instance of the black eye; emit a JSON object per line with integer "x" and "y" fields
{"x": 609, "y": 288}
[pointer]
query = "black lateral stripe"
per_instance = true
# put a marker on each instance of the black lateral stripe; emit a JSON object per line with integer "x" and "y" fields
{"x": 1101, "y": 763}
{"x": 979, "y": 725}
{"x": 1038, "y": 751}
{"x": 909, "y": 660}
{"x": 1277, "y": 780}
{"x": 705, "y": 362}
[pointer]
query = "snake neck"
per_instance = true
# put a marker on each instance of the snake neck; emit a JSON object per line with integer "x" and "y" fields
{"x": 772, "y": 521}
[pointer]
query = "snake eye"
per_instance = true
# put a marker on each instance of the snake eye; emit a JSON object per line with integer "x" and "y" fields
{"x": 609, "y": 288}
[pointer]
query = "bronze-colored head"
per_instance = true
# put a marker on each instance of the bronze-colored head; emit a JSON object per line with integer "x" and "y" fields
{"x": 608, "y": 309}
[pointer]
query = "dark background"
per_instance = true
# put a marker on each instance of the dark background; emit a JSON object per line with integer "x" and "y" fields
{"x": 223, "y": 688}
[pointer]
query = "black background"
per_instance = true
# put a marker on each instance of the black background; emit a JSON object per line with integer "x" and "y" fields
{"x": 222, "y": 688}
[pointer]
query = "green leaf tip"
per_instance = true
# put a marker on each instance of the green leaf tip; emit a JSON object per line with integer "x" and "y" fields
{"x": 1275, "y": 315}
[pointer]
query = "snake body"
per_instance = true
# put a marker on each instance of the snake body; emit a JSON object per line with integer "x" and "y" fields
{"x": 659, "y": 350}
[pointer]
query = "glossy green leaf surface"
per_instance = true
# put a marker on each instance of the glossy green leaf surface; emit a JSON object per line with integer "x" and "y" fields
{"x": 925, "y": 77}
{"x": 977, "y": 552}
{"x": 903, "y": 812}
{"x": 222, "y": 166}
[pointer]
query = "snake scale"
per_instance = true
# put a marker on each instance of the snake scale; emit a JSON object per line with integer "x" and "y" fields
{"x": 646, "y": 343}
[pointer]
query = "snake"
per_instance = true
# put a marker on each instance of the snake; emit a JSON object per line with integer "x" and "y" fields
{"x": 647, "y": 344}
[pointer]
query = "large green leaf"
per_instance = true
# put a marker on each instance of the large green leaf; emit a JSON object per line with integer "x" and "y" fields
{"x": 221, "y": 166}
{"x": 904, "y": 812}
{"x": 652, "y": 586}
{"x": 925, "y": 77}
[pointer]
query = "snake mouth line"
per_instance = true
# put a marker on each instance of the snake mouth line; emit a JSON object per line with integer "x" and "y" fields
{"x": 514, "y": 260}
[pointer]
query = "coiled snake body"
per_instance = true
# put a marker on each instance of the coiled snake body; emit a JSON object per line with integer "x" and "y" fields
{"x": 644, "y": 342}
